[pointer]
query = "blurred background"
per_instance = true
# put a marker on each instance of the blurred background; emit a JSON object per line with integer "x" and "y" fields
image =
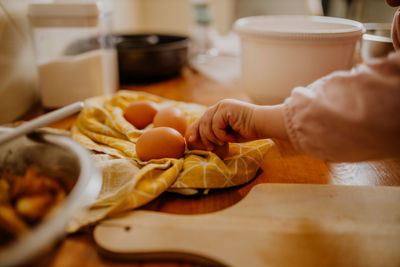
{"x": 18, "y": 73}
{"x": 177, "y": 16}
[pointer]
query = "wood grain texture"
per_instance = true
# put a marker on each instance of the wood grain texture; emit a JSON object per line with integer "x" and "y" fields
{"x": 274, "y": 225}
{"x": 292, "y": 167}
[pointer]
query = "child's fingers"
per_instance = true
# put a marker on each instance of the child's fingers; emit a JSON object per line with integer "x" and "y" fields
{"x": 205, "y": 129}
{"x": 209, "y": 146}
{"x": 207, "y": 133}
{"x": 219, "y": 128}
{"x": 230, "y": 138}
{"x": 194, "y": 132}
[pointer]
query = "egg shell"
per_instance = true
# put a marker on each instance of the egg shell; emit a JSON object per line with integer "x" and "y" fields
{"x": 141, "y": 113}
{"x": 160, "y": 142}
{"x": 171, "y": 117}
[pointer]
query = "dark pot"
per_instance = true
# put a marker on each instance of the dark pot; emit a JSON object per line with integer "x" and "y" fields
{"x": 144, "y": 58}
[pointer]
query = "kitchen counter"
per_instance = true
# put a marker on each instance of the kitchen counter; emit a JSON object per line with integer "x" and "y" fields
{"x": 293, "y": 167}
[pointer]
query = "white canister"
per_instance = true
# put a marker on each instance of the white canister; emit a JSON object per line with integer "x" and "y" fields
{"x": 279, "y": 53}
{"x": 75, "y": 55}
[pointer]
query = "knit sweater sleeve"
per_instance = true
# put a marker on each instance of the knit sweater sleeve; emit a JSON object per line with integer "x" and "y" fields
{"x": 348, "y": 116}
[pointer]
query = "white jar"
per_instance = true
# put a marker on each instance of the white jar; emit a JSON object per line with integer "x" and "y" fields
{"x": 75, "y": 55}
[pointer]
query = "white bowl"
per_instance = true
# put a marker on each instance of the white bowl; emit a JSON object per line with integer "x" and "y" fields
{"x": 279, "y": 53}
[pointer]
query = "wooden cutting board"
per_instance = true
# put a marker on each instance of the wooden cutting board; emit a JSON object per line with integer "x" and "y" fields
{"x": 274, "y": 225}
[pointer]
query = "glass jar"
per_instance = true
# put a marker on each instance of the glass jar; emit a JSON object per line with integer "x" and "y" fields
{"x": 74, "y": 51}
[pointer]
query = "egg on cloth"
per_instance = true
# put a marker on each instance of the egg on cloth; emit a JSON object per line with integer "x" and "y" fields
{"x": 171, "y": 117}
{"x": 141, "y": 113}
{"x": 160, "y": 142}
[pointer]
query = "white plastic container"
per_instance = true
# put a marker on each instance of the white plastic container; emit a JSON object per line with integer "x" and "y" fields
{"x": 279, "y": 53}
{"x": 74, "y": 51}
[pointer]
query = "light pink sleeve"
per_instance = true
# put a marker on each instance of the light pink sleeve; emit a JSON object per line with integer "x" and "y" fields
{"x": 348, "y": 116}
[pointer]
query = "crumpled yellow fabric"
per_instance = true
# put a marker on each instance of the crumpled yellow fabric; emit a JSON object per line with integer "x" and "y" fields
{"x": 128, "y": 182}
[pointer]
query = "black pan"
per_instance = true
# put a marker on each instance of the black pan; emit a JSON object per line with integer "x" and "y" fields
{"x": 144, "y": 58}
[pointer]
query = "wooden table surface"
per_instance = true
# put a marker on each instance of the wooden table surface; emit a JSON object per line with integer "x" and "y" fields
{"x": 292, "y": 167}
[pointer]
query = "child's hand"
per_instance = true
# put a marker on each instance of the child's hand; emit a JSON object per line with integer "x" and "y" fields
{"x": 236, "y": 121}
{"x": 227, "y": 121}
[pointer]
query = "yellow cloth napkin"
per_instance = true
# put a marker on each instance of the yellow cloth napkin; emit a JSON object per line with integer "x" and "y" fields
{"x": 129, "y": 182}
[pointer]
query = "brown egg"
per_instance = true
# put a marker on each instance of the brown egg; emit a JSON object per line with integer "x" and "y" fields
{"x": 141, "y": 113}
{"x": 220, "y": 151}
{"x": 171, "y": 117}
{"x": 160, "y": 142}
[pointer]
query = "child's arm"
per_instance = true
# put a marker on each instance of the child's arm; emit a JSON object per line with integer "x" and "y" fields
{"x": 346, "y": 116}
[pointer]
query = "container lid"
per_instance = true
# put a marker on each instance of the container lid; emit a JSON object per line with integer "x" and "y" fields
{"x": 64, "y": 14}
{"x": 299, "y": 28}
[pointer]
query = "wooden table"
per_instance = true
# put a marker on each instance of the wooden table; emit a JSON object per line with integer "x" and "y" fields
{"x": 293, "y": 167}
